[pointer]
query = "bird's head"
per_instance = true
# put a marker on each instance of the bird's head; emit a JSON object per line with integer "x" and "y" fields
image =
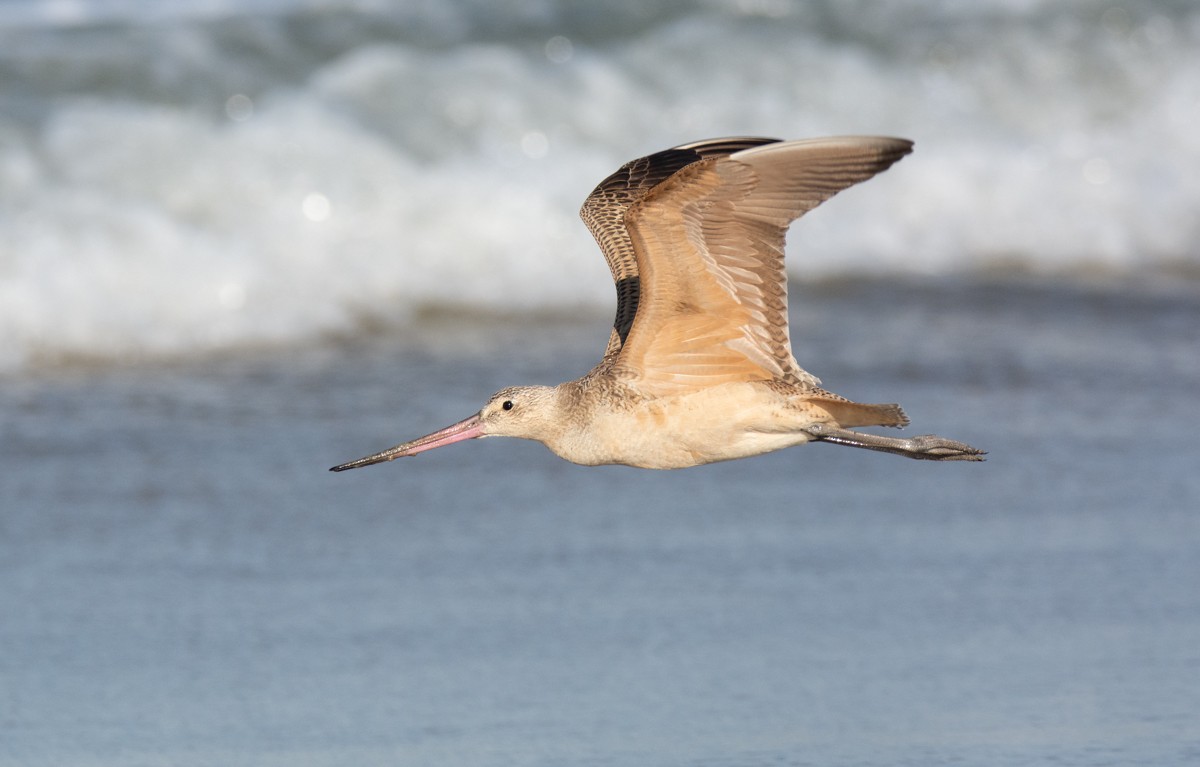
{"x": 527, "y": 412}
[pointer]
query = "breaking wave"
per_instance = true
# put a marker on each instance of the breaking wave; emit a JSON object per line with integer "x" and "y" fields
{"x": 176, "y": 180}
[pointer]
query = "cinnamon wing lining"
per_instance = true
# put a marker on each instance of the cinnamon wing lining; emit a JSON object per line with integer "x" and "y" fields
{"x": 604, "y": 214}
{"x": 710, "y": 249}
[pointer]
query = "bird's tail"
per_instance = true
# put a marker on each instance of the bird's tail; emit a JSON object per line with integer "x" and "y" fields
{"x": 848, "y": 414}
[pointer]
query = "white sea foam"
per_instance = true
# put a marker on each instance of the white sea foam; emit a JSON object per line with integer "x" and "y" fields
{"x": 174, "y": 181}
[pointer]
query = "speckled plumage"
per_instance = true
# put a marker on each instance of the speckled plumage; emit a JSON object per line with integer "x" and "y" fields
{"x": 604, "y": 214}
{"x": 699, "y": 366}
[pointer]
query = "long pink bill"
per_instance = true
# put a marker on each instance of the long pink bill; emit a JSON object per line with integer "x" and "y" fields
{"x": 463, "y": 430}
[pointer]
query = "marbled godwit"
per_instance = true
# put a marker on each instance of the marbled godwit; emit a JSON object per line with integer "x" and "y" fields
{"x": 699, "y": 367}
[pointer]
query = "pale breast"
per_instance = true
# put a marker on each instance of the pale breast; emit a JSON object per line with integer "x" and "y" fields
{"x": 718, "y": 423}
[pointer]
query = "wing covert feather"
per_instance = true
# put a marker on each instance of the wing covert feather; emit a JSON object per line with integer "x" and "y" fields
{"x": 709, "y": 249}
{"x": 604, "y": 214}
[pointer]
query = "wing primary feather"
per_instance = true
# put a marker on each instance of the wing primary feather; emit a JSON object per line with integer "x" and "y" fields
{"x": 605, "y": 209}
{"x": 708, "y": 245}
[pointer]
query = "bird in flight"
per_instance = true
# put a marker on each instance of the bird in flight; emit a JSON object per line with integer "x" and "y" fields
{"x": 699, "y": 367}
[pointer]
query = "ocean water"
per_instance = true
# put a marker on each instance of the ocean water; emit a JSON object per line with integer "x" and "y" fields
{"x": 183, "y": 581}
{"x": 182, "y": 177}
{"x": 240, "y": 246}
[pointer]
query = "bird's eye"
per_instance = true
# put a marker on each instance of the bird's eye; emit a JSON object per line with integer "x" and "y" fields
{"x": 508, "y": 404}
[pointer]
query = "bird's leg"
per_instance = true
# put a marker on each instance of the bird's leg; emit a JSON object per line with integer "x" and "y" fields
{"x": 929, "y": 447}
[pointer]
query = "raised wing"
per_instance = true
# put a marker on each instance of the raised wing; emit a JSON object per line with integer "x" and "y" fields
{"x": 604, "y": 213}
{"x": 709, "y": 248}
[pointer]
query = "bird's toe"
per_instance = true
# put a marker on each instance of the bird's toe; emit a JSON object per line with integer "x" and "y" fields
{"x": 935, "y": 448}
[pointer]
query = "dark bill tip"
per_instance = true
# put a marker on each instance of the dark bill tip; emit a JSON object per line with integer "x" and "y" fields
{"x": 469, "y": 428}
{"x": 387, "y": 455}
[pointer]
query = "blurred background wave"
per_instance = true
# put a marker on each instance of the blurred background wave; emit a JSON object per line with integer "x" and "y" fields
{"x": 178, "y": 178}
